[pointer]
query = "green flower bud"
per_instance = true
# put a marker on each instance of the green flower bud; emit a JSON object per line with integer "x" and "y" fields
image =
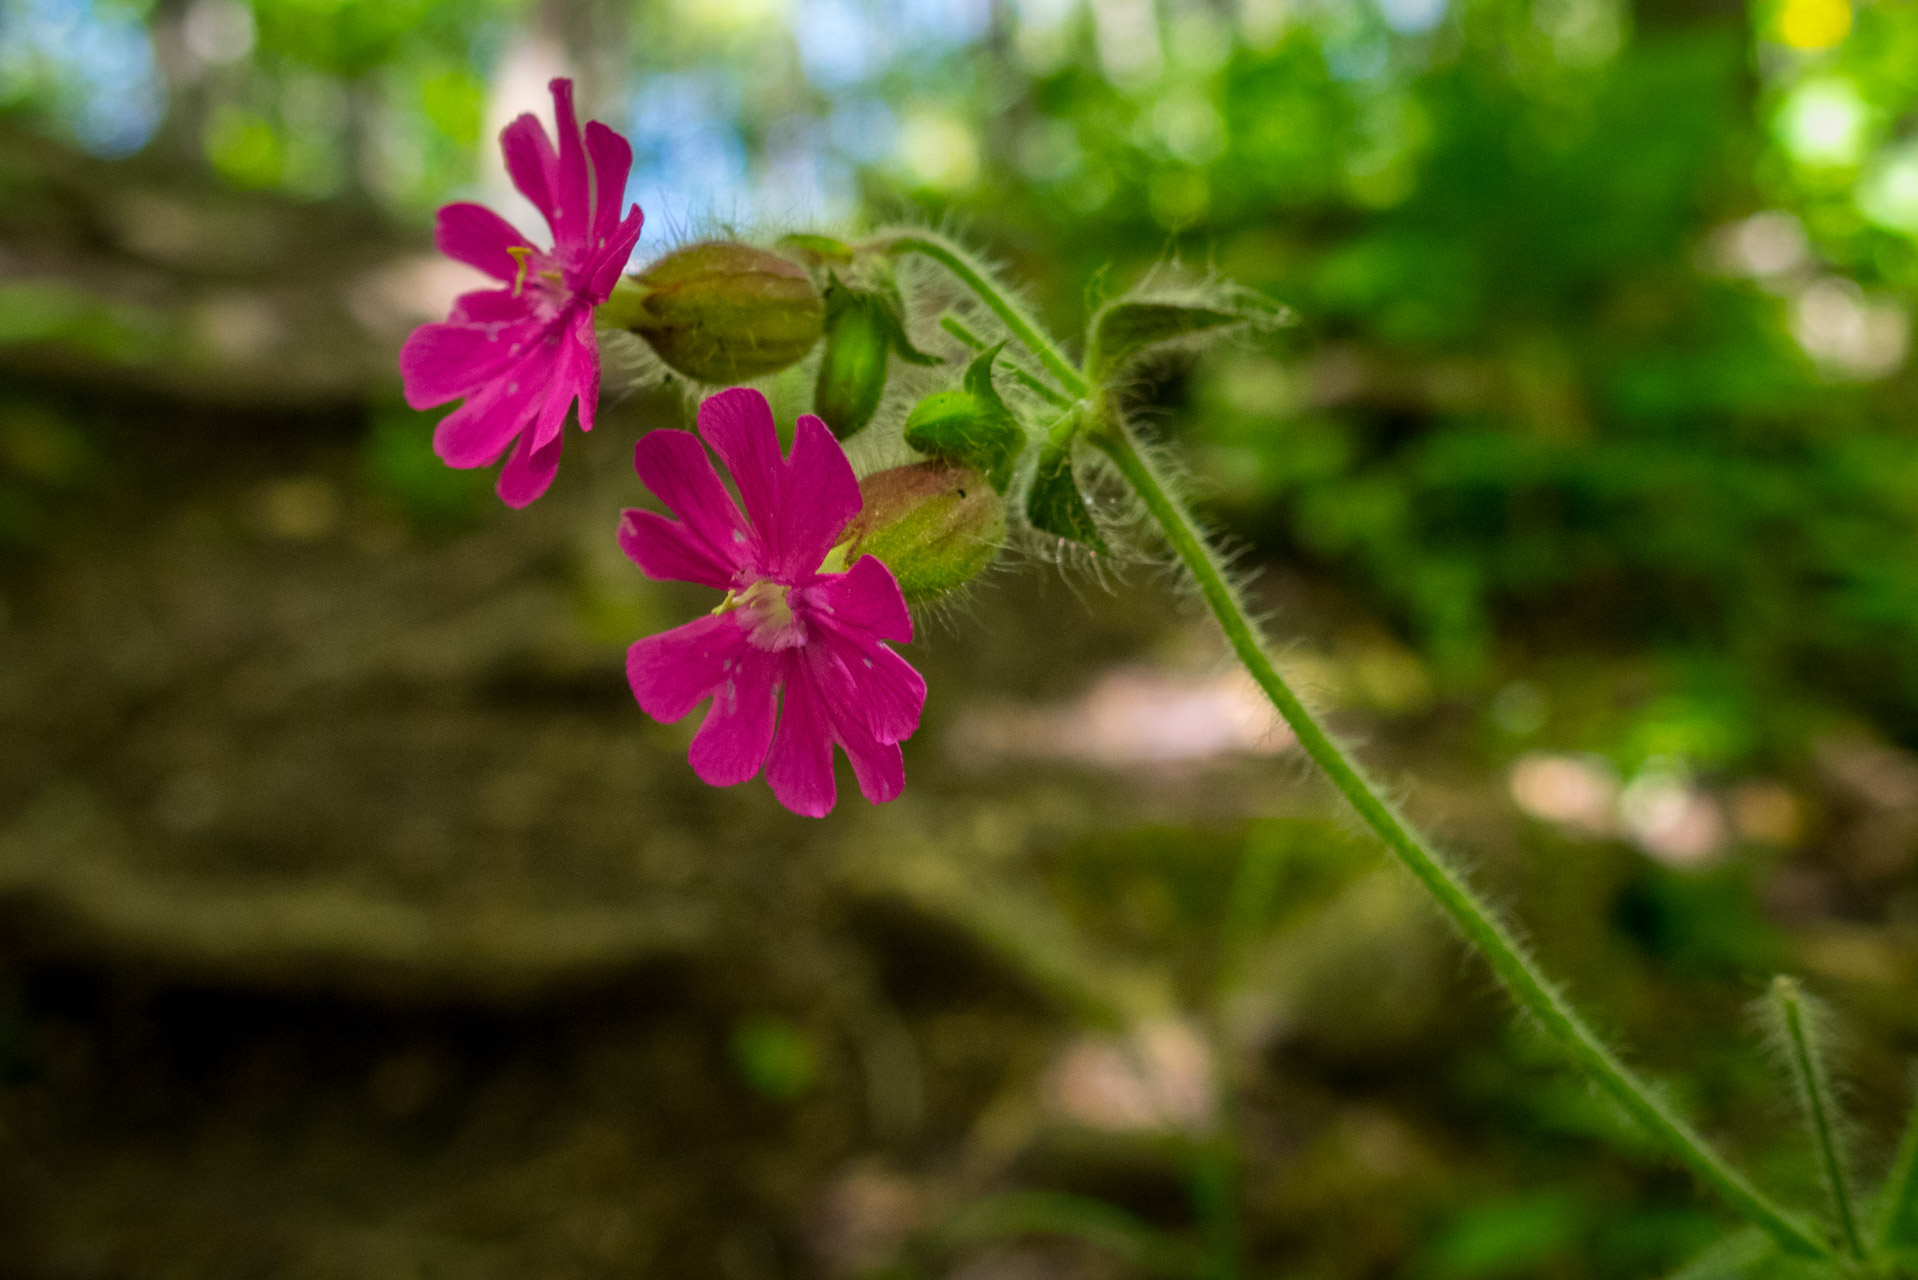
{"x": 863, "y": 328}
{"x": 721, "y": 312}
{"x": 970, "y": 425}
{"x": 936, "y": 526}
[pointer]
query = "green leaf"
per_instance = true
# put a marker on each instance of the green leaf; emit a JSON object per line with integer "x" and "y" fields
{"x": 1124, "y": 331}
{"x": 892, "y": 321}
{"x": 1800, "y": 1027}
{"x": 1055, "y": 504}
{"x": 1896, "y": 1216}
{"x": 885, "y": 312}
{"x": 1080, "y": 1218}
{"x": 1731, "y": 1258}
{"x": 979, "y": 380}
{"x": 970, "y": 427}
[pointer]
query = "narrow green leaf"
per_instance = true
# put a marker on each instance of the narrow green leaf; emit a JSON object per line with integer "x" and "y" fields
{"x": 1798, "y": 1023}
{"x": 1123, "y": 331}
{"x": 1079, "y": 1218}
{"x": 1896, "y": 1213}
{"x": 892, "y": 318}
{"x": 979, "y": 379}
{"x": 1055, "y": 504}
{"x": 970, "y": 427}
{"x": 1731, "y": 1258}
{"x": 957, "y": 328}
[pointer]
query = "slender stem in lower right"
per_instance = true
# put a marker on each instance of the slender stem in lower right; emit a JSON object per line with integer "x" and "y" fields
{"x": 1482, "y": 929}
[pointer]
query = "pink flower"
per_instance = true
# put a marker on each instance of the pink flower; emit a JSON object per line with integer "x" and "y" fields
{"x": 786, "y": 624}
{"x": 523, "y": 353}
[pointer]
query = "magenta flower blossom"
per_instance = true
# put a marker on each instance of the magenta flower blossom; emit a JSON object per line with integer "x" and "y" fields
{"x": 523, "y": 353}
{"x": 792, "y": 642}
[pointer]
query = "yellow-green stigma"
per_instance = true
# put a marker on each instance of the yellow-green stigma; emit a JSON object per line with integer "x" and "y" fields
{"x": 769, "y": 613}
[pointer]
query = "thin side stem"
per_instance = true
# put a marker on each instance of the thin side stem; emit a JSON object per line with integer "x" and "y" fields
{"x": 956, "y": 260}
{"x": 1814, "y": 1092}
{"x": 958, "y": 329}
{"x": 1481, "y": 928}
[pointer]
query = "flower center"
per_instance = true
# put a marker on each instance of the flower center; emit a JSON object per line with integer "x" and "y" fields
{"x": 766, "y": 609}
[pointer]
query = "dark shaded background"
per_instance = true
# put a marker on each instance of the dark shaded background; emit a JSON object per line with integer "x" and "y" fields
{"x": 353, "y": 922}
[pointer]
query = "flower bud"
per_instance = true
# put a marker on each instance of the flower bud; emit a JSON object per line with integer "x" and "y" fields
{"x": 935, "y": 525}
{"x": 970, "y": 426}
{"x": 721, "y": 312}
{"x": 863, "y": 327}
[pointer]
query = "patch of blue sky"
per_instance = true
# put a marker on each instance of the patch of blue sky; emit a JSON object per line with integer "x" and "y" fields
{"x": 1412, "y": 17}
{"x": 91, "y": 64}
{"x": 804, "y": 186}
{"x": 690, "y": 164}
{"x": 693, "y": 171}
{"x": 864, "y": 130}
{"x": 845, "y": 43}
{"x": 935, "y": 26}
{"x": 839, "y": 42}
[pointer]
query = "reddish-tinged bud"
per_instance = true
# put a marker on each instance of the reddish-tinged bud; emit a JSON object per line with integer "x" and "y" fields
{"x": 935, "y": 525}
{"x": 721, "y": 312}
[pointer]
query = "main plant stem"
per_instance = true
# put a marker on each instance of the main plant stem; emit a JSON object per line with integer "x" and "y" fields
{"x": 1482, "y": 929}
{"x": 1480, "y": 926}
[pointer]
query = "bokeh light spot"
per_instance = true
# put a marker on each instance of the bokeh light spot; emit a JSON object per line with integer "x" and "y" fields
{"x": 1814, "y": 24}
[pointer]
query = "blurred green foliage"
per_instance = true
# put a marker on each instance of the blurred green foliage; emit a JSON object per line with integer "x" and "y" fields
{"x": 1606, "y": 310}
{"x": 1599, "y": 405}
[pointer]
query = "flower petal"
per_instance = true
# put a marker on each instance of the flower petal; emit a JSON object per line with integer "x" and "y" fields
{"x": 476, "y": 433}
{"x": 799, "y": 767}
{"x": 738, "y": 424}
{"x": 475, "y": 235}
{"x": 575, "y": 376}
{"x": 612, "y": 158}
{"x": 491, "y": 307}
{"x": 879, "y": 767}
{"x": 586, "y": 368}
{"x": 529, "y": 472}
{"x": 532, "y": 164}
{"x": 820, "y": 497}
{"x": 798, "y": 506}
{"x": 573, "y": 210}
{"x": 866, "y": 598}
{"x": 603, "y": 274}
{"x": 667, "y": 551}
{"x": 675, "y": 467}
{"x": 672, "y": 672}
{"x": 731, "y": 745}
{"x": 888, "y": 695}
{"x": 869, "y": 687}
{"x": 441, "y": 362}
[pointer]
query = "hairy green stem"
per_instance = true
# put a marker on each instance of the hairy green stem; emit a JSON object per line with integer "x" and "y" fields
{"x": 956, "y": 260}
{"x": 958, "y": 329}
{"x": 1814, "y": 1093}
{"x": 1482, "y": 929}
